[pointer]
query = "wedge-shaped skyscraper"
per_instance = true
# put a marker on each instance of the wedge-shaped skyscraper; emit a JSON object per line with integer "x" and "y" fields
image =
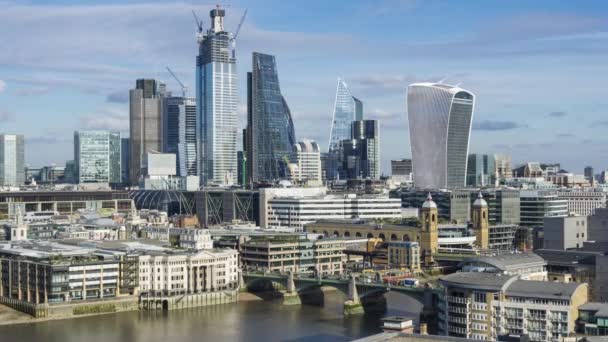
{"x": 270, "y": 127}
{"x": 440, "y": 118}
{"x": 347, "y": 109}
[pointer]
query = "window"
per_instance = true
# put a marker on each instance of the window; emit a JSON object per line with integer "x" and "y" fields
{"x": 479, "y": 297}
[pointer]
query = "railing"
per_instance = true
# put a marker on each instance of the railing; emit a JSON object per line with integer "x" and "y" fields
{"x": 459, "y": 300}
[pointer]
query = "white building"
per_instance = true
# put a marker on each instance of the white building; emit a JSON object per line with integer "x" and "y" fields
{"x": 12, "y": 160}
{"x": 583, "y": 202}
{"x": 535, "y": 205}
{"x": 307, "y": 159}
{"x": 189, "y": 238}
{"x": 172, "y": 273}
{"x": 295, "y": 212}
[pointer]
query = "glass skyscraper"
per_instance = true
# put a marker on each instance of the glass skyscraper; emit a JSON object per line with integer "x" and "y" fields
{"x": 97, "y": 156}
{"x": 347, "y": 109}
{"x": 179, "y": 134}
{"x": 481, "y": 170}
{"x": 272, "y": 133}
{"x": 216, "y": 103}
{"x": 12, "y": 160}
{"x": 440, "y": 118}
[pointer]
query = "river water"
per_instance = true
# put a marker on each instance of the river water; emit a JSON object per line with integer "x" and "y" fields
{"x": 243, "y": 321}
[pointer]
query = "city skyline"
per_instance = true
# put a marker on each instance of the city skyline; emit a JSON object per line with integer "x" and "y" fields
{"x": 517, "y": 57}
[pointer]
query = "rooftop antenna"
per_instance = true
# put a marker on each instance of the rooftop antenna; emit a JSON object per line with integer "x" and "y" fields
{"x": 443, "y": 80}
{"x": 184, "y": 88}
{"x": 236, "y": 33}
{"x": 199, "y": 26}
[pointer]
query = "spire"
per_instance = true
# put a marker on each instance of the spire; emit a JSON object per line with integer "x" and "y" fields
{"x": 19, "y": 217}
{"x": 429, "y": 203}
{"x": 480, "y": 202}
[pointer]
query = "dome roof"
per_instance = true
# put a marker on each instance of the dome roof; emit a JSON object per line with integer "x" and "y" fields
{"x": 480, "y": 202}
{"x": 429, "y": 203}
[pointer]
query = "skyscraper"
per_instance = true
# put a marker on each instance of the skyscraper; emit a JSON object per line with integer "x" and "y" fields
{"x": 367, "y": 135}
{"x": 347, "y": 109}
{"x": 125, "y": 157}
{"x": 179, "y": 134}
{"x": 503, "y": 166}
{"x": 97, "y": 156}
{"x": 272, "y": 134}
{"x": 440, "y": 118}
{"x": 589, "y": 173}
{"x": 145, "y": 124}
{"x": 481, "y": 170}
{"x": 216, "y": 103}
{"x": 12, "y": 160}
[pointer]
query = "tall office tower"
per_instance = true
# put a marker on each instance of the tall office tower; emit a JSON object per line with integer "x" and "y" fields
{"x": 440, "y": 118}
{"x": 503, "y": 166}
{"x": 401, "y": 167}
{"x": 272, "y": 134}
{"x": 145, "y": 120}
{"x": 367, "y": 135}
{"x": 179, "y": 134}
{"x": 307, "y": 158}
{"x": 125, "y": 157}
{"x": 347, "y": 109}
{"x": 97, "y": 156}
{"x": 481, "y": 170}
{"x": 589, "y": 173}
{"x": 216, "y": 103}
{"x": 12, "y": 160}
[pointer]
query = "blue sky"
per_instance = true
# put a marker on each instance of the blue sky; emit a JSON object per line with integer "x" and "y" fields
{"x": 539, "y": 68}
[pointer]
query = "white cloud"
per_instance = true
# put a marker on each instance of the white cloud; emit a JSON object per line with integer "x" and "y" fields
{"x": 2, "y": 86}
{"x": 110, "y": 118}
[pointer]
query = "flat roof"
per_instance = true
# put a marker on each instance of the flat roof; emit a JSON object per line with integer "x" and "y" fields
{"x": 510, "y": 261}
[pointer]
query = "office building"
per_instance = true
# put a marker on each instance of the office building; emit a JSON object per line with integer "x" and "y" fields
{"x": 503, "y": 166}
{"x": 597, "y": 228}
{"x": 484, "y": 306}
{"x": 401, "y": 170}
{"x": 97, "y": 157}
{"x": 217, "y": 102}
{"x": 180, "y": 135}
{"x": 295, "y": 211}
{"x": 535, "y": 205}
{"x": 294, "y": 254}
{"x": 145, "y": 123}
{"x": 481, "y": 170}
{"x": 564, "y": 232}
{"x": 593, "y": 319}
{"x": 440, "y": 124}
{"x": 589, "y": 174}
{"x": 306, "y": 158}
{"x": 270, "y": 128}
{"x": 403, "y": 254}
{"x": 347, "y": 109}
{"x": 367, "y": 136}
{"x": 583, "y": 202}
{"x": 12, "y": 160}
{"x": 125, "y": 159}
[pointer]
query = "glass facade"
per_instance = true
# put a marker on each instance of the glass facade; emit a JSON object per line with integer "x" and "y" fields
{"x": 481, "y": 170}
{"x": 216, "y": 104}
{"x": 272, "y": 130}
{"x": 12, "y": 160}
{"x": 440, "y": 124}
{"x": 179, "y": 134}
{"x": 97, "y": 156}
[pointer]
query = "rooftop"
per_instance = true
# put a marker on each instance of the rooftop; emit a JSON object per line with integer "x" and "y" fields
{"x": 601, "y": 309}
{"x": 508, "y": 261}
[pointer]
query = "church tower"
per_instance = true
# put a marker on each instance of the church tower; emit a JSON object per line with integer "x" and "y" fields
{"x": 429, "y": 233}
{"x": 481, "y": 224}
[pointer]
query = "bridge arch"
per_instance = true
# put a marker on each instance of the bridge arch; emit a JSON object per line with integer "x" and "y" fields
{"x": 406, "y": 237}
{"x": 357, "y": 234}
{"x": 370, "y": 235}
{"x": 394, "y": 237}
{"x": 336, "y": 233}
{"x": 326, "y": 233}
{"x": 346, "y": 234}
{"x": 381, "y": 236}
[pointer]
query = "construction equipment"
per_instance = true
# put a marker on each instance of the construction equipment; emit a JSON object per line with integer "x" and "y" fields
{"x": 199, "y": 25}
{"x": 184, "y": 88}
{"x": 236, "y": 33}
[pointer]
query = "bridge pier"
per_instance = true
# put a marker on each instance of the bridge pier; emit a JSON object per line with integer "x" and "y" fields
{"x": 242, "y": 283}
{"x": 291, "y": 297}
{"x": 353, "y": 305}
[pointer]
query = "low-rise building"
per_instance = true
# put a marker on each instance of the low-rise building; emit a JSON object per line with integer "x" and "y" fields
{"x": 582, "y": 202}
{"x": 401, "y": 254}
{"x": 483, "y": 306}
{"x": 188, "y": 238}
{"x": 593, "y": 319}
{"x": 535, "y": 205}
{"x": 564, "y": 232}
{"x": 525, "y": 265}
{"x": 294, "y": 254}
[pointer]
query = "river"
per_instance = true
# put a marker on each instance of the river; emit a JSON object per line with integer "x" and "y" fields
{"x": 243, "y": 321}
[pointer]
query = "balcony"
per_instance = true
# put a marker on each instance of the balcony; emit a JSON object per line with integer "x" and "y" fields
{"x": 459, "y": 300}
{"x": 456, "y": 319}
{"x": 457, "y": 310}
{"x": 457, "y": 330}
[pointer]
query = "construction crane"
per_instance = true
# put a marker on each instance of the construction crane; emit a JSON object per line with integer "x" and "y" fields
{"x": 199, "y": 25}
{"x": 236, "y": 33}
{"x": 184, "y": 88}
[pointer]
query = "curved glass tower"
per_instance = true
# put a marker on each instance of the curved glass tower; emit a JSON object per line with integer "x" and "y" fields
{"x": 272, "y": 131}
{"x": 439, "y": 118}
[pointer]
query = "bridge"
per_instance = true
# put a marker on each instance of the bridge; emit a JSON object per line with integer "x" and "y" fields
{"x": 361, "y": 295}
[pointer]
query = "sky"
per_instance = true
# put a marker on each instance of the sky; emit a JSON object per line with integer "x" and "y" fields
{"x": 538, "y": 68}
